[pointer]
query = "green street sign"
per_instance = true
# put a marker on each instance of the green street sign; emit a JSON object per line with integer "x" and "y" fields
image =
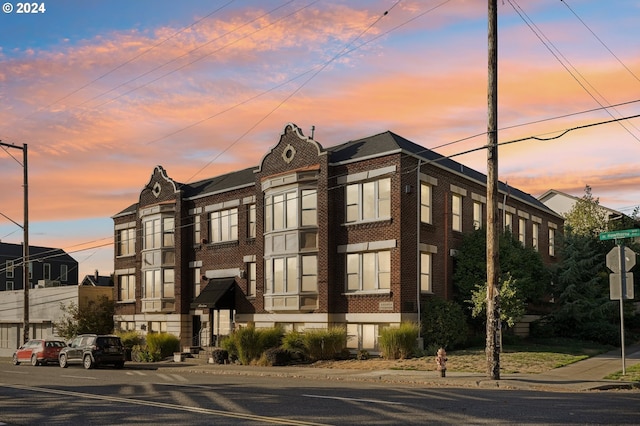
{"x": 618, "y": 235}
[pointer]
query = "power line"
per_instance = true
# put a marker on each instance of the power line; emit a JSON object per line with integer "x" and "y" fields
{"x": 538, "y": 32}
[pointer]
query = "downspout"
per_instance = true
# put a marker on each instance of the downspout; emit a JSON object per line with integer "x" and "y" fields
{"x": 418, "y": 254}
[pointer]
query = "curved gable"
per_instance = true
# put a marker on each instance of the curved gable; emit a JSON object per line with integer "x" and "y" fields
{"x": 293, "y": 150}
{"x": 160, "y": 188}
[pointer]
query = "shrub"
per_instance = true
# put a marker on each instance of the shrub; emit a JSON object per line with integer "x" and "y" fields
{"x": 164, "y": 344}
{"x": 275, "y": 357}
{"x": 130, "y": 338}
{"x": 141, "y": 353}
{"x": 398, "y": 342}
{"x": 249, "y": 343}
{"x": 293, "y": 342}
{"x": 325, "y": 343}
{"x": 228, "y": 343}
{"x": 443, "y": 323}
{"x": 219, "y": 356}
{"x": 362, "y": 355}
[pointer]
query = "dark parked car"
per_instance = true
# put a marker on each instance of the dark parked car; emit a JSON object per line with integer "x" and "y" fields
{"x": 93, "y": 350}
{"x": 38, "y": 351}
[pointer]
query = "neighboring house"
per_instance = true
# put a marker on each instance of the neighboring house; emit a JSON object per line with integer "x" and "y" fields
{"x": 562, "y": 203}
{"x": 355, "y": 235}
{"x": 97, "y": 280}
{"x": 44, "y": 311}
{"x": 47, "y": 267}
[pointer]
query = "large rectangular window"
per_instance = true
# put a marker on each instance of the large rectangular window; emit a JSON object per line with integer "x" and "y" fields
{"x": 251, "y": 279}
{"x": 425, "y": 203}
{"x": 535, "y": 235}
{"x": 477, "y": 215}
{"x": 425, "y": 273}
{"x": 224, "y": 225}
{"x": 251, "y": 221}
{"x": 552, "y": 242}
{"x": 46, "y": 271}
{"x": 197, "y": 236}
{"x": 293, "y": 209}
{"x": 282, "y": 275}
{"x": 508, "y": 222}
{"x": 522, "y": 231}
{"x": 456, "y": 212}
{"x": 197, "y": 279}
{"x": 64, "y": 273}
{"x": 369, "y": 271}
{"x": 126, "y": 287}
{"x": 369, "y": 200}
{"x": 152, "y": 234}
{"x": 126, "y": 242}
{"x": 152, "y": 285}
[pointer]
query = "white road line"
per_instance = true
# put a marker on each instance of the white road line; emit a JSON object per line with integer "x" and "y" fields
{"x": 253, "y": 417}
{"x": 372, "y": 401}
{"x": 78, "y": 377}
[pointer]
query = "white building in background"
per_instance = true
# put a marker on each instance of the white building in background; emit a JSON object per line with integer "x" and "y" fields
{"x": 44, "y": 311}
{"x": 562, "y": 203}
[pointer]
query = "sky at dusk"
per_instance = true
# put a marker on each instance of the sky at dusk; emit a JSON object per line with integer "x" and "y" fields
{"x": 103, "y": 91}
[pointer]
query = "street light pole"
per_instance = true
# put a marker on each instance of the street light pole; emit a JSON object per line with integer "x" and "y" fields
{"x": 25, "y": 247}
{"x": 25, "y": 251}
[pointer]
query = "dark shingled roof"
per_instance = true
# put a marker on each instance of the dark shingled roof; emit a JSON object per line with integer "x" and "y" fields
{"x": 371, "y": 146}
{"x": 389, "y": 142}
{"x": 14, "y": 251}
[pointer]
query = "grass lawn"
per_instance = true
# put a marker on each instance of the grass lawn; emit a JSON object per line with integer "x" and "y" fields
{"x": 633, "y": 374}
{"x": 527, "y": 356}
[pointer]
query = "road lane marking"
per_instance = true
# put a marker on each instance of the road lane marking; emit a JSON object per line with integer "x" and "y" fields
{"x": 341, "y": 398}
{"x": 254, "y": 417}
{"x": 78, "y": 377}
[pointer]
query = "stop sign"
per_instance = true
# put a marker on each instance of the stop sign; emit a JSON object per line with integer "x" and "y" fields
{"x": 613, "y": 259}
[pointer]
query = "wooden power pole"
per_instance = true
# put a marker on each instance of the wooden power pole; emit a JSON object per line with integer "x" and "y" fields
{"x": 493, "y": 263}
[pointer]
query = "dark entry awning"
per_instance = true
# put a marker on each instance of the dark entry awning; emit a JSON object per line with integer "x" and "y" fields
{"x": 217, "y": 294}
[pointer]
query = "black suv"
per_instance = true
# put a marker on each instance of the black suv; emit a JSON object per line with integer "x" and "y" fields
{"x": 93, "y": 350}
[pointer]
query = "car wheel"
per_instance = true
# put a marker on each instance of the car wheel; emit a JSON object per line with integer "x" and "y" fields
{"x": 15, "y": 360}
{"x": 34, "y": 360}
{"x": 63, "y": 361}
{"x": 87, "y": 362}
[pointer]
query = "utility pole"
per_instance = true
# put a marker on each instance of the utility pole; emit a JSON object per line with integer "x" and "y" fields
{"x": 25, "y": 247}
{"x": 493, "y": 262}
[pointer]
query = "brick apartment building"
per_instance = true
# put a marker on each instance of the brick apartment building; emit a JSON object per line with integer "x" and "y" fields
{"x": 356, "y": 234}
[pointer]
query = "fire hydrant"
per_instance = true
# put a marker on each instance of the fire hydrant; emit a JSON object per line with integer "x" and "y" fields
{"x": 441, "y": 362}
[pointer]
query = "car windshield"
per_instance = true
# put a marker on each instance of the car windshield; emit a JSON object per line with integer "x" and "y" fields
{"x": 108, "y": 341}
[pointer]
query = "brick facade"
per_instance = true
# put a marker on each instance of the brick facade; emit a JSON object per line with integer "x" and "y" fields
{"x": 302, "y": 278}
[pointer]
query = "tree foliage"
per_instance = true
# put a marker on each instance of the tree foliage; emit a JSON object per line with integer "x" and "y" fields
{"x": 512, "y": 305}
{"x": 521, "y": 264}
{"x": 586, "y": 217}
{"x": 95, "y": 317}
{"x": 443, "y": 323}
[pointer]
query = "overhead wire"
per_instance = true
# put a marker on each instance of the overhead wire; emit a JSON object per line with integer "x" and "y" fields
{"x": 556, "y": 53}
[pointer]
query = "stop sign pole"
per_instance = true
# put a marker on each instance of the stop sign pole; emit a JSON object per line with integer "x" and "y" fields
{"x": 621, "y": 266}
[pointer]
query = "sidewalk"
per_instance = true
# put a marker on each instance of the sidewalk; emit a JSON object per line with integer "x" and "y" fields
{"x": 584, "y": 375}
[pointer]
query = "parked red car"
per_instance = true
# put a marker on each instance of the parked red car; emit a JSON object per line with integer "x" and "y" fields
{"x": 38, "y": 351}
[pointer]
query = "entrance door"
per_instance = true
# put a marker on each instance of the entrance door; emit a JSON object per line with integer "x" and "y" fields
{"x": 196, "y": 327}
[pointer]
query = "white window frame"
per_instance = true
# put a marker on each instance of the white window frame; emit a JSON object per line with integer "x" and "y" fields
{"x": 197, "y": 234}
{"x": 425, "y": 272}
{"x": 251, "y": 221}
{"x": 552, "y": 242}
{"x": 380, "y": 274}
{"x": 357, "y": 201}
{"x": 251, "y": 279}
{"x": 126, "y": 286}
{"x": 426, "y": 191}
{"x": 127, "y": 242}
{"x": 535, "y": 235}
{"x": 522, "y": 230}
{"x": 477, "y": 215}
{"x": 197, "y": 279}
{"x": 456, "y": 212}
{"x": 223, "y": 225}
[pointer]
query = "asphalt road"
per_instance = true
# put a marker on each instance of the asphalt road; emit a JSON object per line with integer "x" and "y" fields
{"x": 74, "y": 396}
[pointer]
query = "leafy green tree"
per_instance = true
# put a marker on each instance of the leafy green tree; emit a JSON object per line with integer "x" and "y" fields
{"x": 96, "y": 317}
{"x": 522, "y": 264}
{"x": 586, "y": 217}
{"x": 512, "y": 305}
